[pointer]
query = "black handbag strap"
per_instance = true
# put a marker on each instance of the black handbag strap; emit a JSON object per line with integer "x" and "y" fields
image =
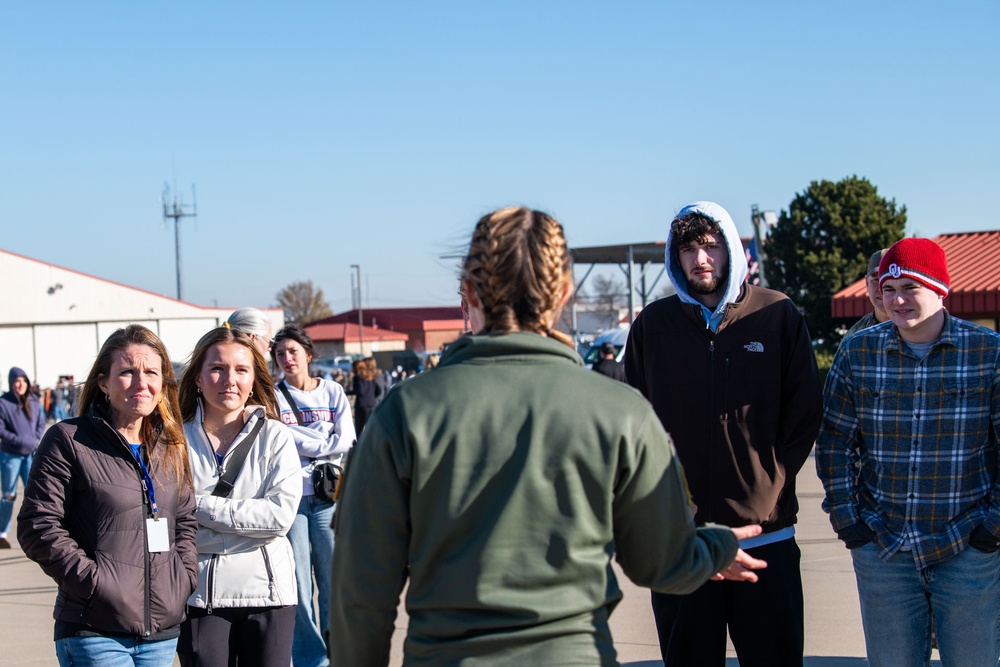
{"x": 291, "y": 401}
{"x": 236, "y": 458}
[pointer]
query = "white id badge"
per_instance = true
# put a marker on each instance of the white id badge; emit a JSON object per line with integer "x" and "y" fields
{"x": 157, "y": 537}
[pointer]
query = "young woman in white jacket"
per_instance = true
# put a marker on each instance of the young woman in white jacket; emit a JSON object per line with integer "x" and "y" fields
{"x": 243, "y": 610}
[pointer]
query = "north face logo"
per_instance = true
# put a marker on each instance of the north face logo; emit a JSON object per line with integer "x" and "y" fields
{"x": 754, "y": 347}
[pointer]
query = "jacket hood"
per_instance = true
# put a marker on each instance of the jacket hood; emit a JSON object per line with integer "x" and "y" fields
{"x": 738, "y": 269}
{"x": 529, "y": 346}
{"x": 15, "y": 373}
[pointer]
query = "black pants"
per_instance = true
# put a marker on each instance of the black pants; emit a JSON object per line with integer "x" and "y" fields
{"x": 764, "y": 618}
{"x": 361, "y": 414}
{"x": 243, "y": 636}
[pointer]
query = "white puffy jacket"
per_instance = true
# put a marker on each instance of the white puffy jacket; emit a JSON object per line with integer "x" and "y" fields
{"x": 244, "y": 558}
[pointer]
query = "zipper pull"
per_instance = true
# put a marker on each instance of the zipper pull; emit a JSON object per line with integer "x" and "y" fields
{"x": 208, "y": 609}
{"x": 270, "y": 589}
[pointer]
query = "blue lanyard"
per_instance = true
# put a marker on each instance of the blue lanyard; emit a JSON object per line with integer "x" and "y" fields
{"x": 147, "y": 481}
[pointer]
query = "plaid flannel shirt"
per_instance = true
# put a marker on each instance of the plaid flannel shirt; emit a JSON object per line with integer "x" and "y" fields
{"x": 909, "y": 446}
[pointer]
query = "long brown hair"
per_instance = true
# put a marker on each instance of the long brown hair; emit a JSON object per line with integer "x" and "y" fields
{"x": 263, "y": 388}
{"x": 162, "y": 432}
{"x": 368, "y": 369}
{"x": 519, "y": 265}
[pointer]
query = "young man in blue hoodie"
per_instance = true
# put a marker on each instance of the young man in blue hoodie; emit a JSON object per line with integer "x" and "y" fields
{"x": 730, "y": 371}
{"x": 22, "y": 424}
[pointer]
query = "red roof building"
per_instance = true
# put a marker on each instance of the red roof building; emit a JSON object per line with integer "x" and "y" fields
{"x": 974, "y": 268}
{"x": 426, "y": 329}
{"x": 333, "y": 338}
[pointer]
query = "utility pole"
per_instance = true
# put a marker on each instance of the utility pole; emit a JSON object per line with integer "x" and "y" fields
{"x": 770, "y": 219}
{"x": 175, "y": 211}
{"x": 361, "y": 330}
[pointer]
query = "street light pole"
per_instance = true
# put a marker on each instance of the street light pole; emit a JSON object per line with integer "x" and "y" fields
{"x": 769, "y": 218}
{"x": 361, "y": 333}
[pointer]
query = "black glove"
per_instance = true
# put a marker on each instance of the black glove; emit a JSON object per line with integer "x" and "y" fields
{"x": 856, "y": 535}
{"x": 984, "y": 540}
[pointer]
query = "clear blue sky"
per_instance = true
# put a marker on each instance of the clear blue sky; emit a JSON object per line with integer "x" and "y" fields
{"x": 325, "y": 134}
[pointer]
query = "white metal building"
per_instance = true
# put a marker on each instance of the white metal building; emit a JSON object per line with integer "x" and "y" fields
{"x": 53, "y": 320}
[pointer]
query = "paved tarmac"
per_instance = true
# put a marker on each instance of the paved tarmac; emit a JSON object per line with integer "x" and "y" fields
{"x": 832, "y": 617}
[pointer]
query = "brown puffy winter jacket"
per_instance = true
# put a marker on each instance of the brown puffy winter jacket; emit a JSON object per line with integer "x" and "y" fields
{"x": 83, "y": 520}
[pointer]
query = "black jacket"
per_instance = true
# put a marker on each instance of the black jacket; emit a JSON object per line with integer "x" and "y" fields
{"x": 83, "y": 520}
{"x": 743, "y": 405}
{"x": 613, "y": 369}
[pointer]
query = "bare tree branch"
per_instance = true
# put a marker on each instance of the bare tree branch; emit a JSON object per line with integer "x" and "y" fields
{"x": 303, "y": 303}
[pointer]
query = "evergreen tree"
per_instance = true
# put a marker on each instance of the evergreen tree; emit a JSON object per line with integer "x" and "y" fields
{"x": 822, "y": 244}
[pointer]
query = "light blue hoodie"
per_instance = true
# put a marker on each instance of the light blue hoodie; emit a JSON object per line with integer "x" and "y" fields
{"x": 738, "y": 269}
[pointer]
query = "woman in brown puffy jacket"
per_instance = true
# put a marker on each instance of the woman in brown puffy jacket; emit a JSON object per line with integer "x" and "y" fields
{"x": 108, "y": 511}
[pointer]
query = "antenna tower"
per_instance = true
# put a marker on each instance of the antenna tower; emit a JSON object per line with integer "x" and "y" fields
{"x": 174, "y": 211}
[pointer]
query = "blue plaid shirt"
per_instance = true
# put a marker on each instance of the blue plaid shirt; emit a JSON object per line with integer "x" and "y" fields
{"x": 909, "y": 446}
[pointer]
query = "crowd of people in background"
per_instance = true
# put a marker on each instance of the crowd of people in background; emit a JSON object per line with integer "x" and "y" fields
{"x": 55, "y": 403}
{"x": 219, "y": 517}
{"x": 60, "y": 402}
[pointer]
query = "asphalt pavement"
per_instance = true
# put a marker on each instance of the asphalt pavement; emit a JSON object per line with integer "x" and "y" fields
{"x": 833, "y": 635}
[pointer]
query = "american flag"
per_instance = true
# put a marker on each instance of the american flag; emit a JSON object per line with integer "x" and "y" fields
{"x": 754, "y": 273}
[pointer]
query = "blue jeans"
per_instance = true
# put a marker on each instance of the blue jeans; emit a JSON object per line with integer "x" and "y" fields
{"x": 898, "y": 600}
{"x": 12, "y": 466}
{"x": 312, "y": 547}
{"x": 115, "y": 652}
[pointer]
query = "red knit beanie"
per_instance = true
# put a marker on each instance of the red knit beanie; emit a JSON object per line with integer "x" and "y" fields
{"x": 919, "y": 259}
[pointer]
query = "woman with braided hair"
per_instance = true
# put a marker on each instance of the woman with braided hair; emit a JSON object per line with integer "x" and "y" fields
{"x": 502, "y": 482}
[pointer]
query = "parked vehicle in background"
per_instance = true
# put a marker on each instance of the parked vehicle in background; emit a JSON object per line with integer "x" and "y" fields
{"x": 324, "y": 365}
{"x": 406, "y": 360}
{"x": 616, "y": 336}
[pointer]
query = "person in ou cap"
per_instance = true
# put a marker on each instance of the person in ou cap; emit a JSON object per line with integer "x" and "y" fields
{"x": 607, "y": 364}
{"x": 730, "y": 371}
{"x": 908, "y": 455}
{"x": 878, "y": 315}
{"x": 502, "y": 484}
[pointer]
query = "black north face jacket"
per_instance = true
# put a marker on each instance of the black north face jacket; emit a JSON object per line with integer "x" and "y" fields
{"x": 742, "y": 405}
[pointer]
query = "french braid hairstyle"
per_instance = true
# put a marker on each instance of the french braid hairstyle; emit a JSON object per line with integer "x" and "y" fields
{"x": 519, "y": 265}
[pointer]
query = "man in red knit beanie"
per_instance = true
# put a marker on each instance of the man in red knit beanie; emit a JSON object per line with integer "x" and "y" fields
{"x": 908, "y": 455}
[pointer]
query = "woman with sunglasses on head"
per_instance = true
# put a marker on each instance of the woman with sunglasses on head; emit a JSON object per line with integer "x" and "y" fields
{"x": 247, "y": 485}
{"x": 319, "y": 415}
{"x": 108, "y": 511}
{"x": 256, "y": 324}
{"x": 501, "y": 484}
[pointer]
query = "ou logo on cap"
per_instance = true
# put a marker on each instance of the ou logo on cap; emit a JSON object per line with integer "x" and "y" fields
{"x": 895, "y": 271}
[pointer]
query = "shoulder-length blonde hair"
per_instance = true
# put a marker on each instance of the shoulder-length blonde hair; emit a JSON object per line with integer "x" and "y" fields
{"x": 263, "y": 388}
{"x": 162, "y": 431}
{"x": 519, "y": 265}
